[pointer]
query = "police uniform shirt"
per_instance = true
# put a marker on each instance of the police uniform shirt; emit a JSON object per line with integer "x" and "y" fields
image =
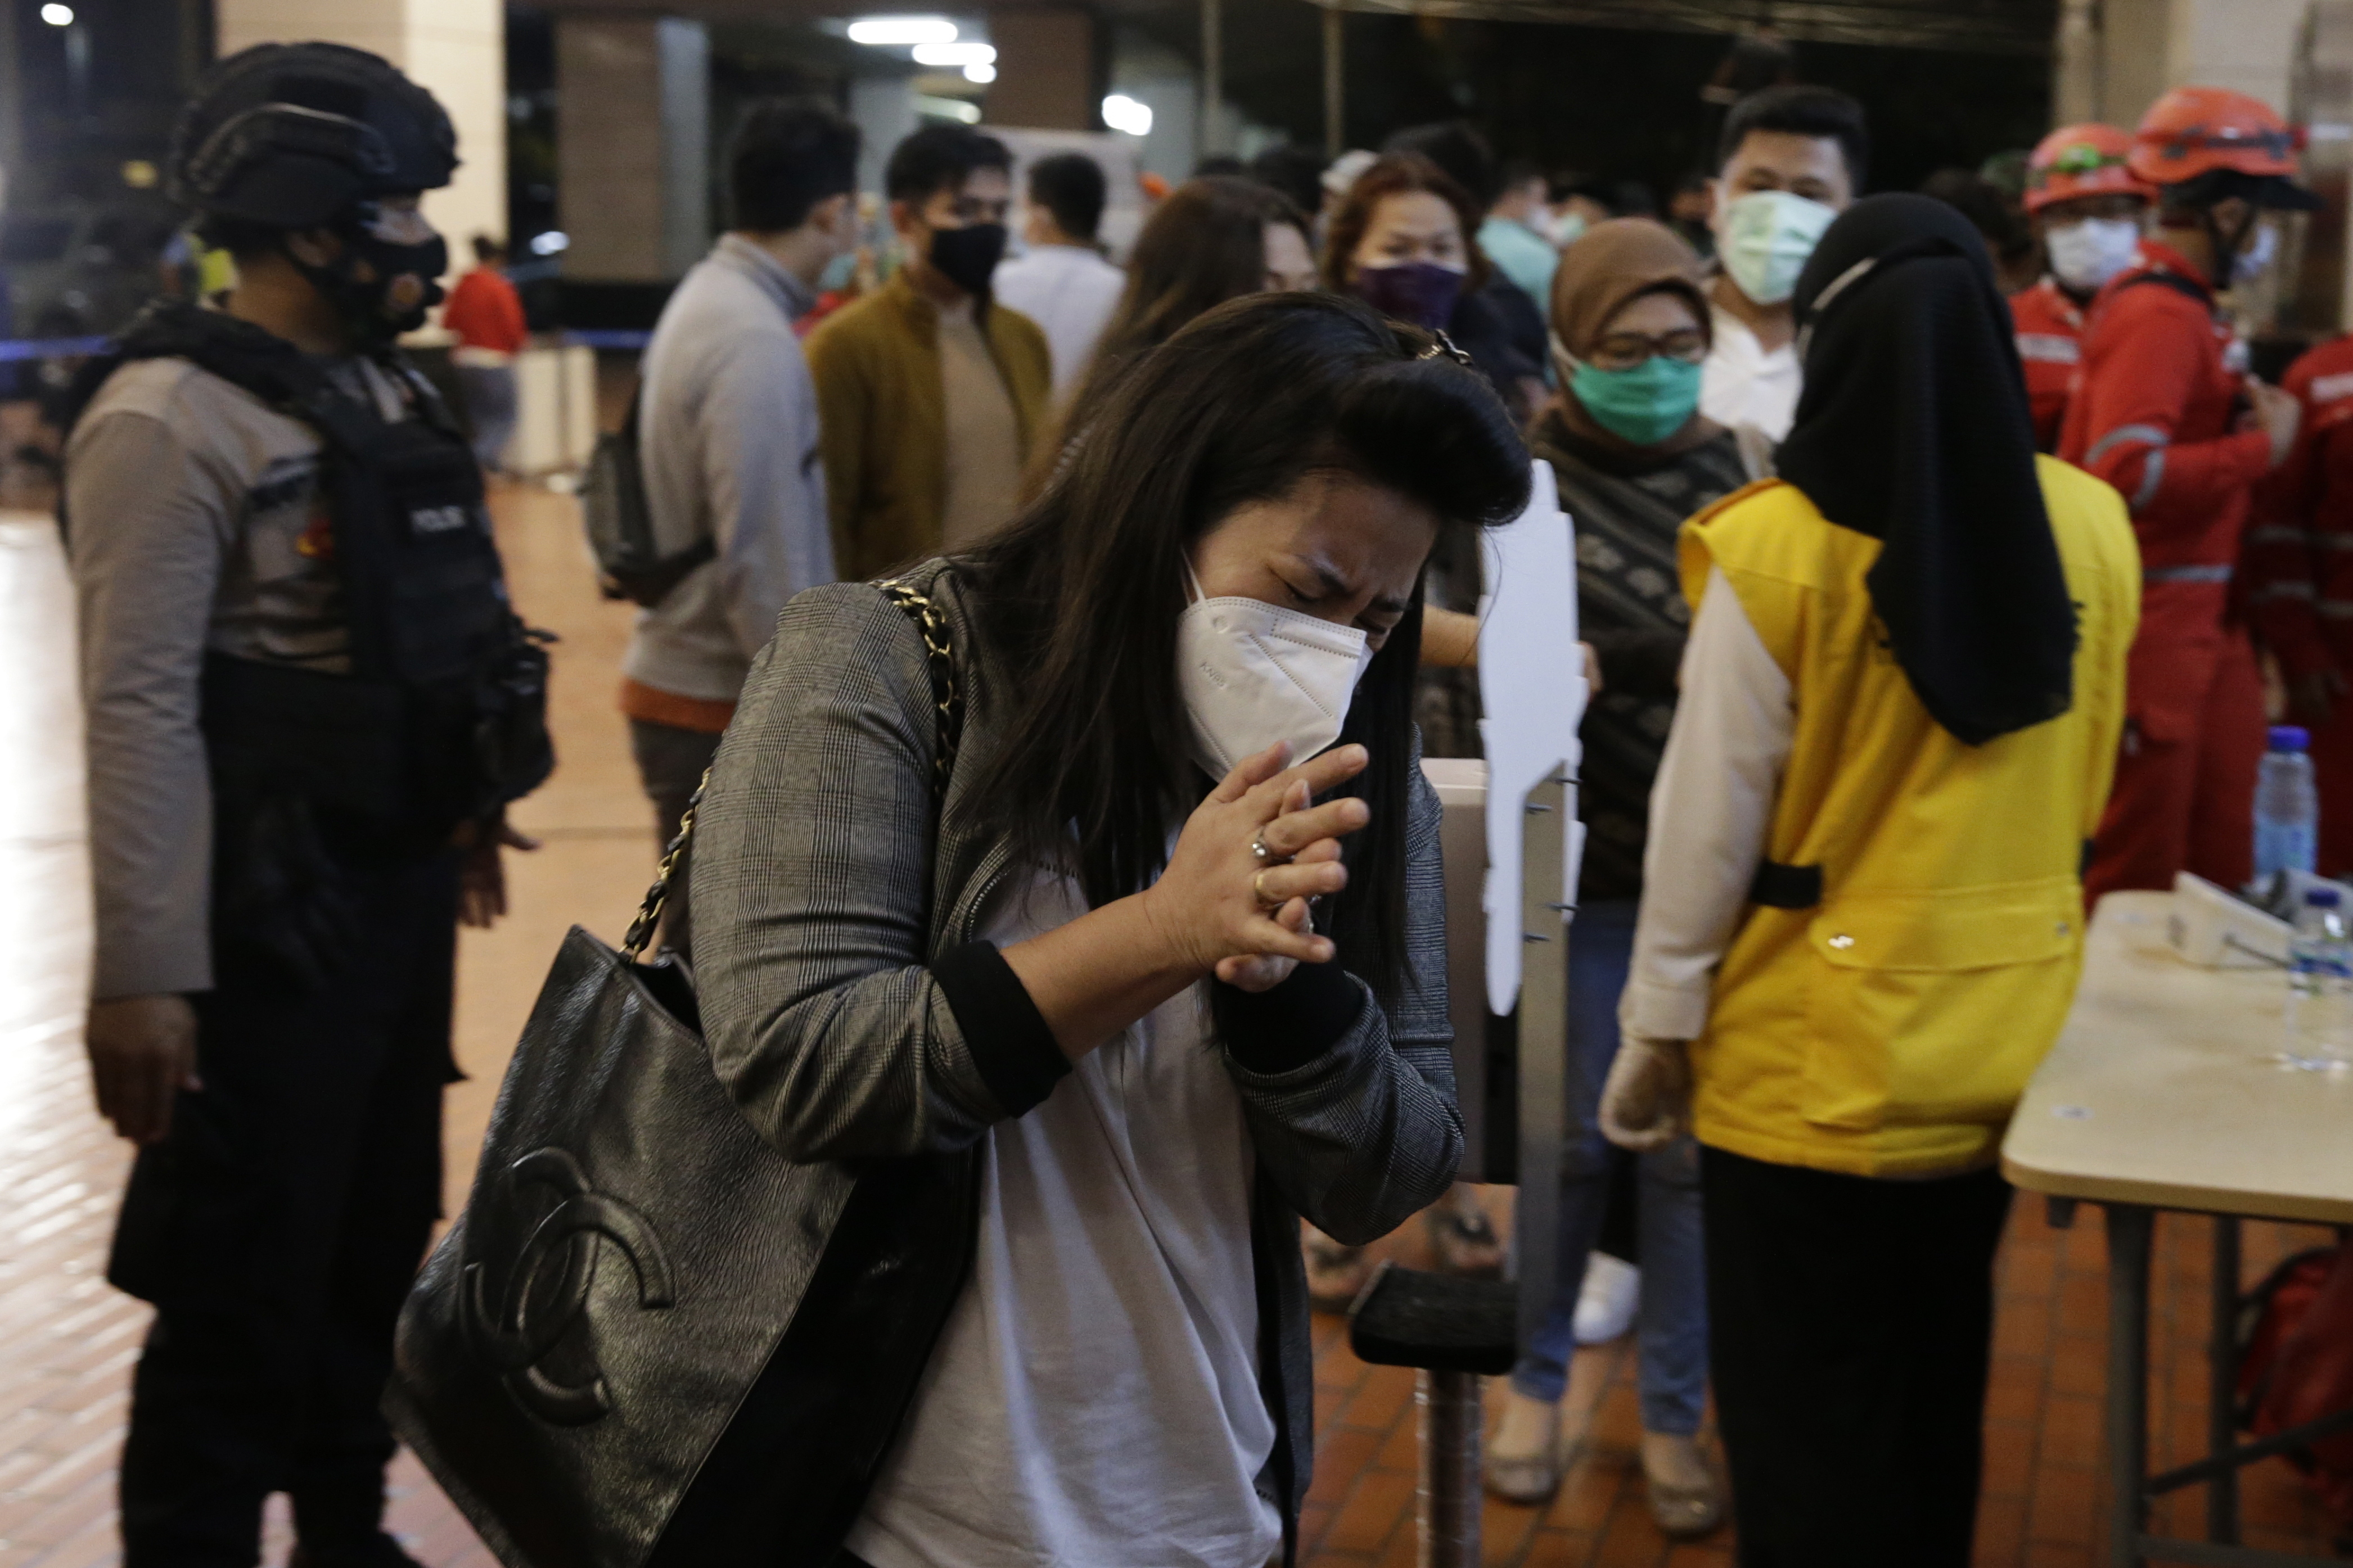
{"x": 197, "y": 526}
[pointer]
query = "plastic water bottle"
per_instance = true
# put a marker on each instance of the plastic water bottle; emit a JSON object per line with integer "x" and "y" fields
{"x": 2287, "y": 808}
{"x": 2320, "y": 984}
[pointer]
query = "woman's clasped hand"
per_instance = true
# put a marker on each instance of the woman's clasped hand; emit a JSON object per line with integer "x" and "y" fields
{"x": 1244, "y": 915}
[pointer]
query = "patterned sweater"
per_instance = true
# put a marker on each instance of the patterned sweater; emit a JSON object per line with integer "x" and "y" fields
{"x": 1629, "y": 606}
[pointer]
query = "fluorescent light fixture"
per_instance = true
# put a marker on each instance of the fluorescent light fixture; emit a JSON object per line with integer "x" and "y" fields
{"x": 57, "y": 16}
{"x": 551, "y": 242}
{"x": 980, "y": 73}
{"x": 1121, "y": 112}
{"x": 958, "y": 53}
{"x": 890, "y": 31}
{"x": 947, "y": 109}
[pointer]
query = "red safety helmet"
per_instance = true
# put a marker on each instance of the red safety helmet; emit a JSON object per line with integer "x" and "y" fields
{"x": 2194, "y": 131}
{"x": 2082, "y": 161}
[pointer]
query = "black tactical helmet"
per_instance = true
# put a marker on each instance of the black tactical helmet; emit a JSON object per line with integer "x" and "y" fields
{"x": 295, "y": 135}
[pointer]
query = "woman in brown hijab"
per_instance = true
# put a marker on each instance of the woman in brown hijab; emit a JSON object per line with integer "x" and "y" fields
{"x": 1633, "y": 458}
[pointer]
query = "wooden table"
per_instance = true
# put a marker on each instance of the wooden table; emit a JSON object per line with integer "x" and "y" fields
{"x": 2168, "y": 1090}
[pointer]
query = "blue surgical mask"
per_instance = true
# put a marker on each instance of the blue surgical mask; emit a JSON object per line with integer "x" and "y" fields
{"x": 1767, "y": 236}
{"x": 1644, "y": 404}
{"x": 839, "y": 274}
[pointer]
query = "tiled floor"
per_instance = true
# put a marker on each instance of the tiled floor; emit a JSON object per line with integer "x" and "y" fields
{"x": 67, "y": 1341}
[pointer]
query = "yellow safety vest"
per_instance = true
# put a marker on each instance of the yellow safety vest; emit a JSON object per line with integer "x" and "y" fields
{"x": 1889, "y": 1029}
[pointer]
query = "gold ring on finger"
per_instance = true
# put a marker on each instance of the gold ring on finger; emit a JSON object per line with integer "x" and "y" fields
{"x": 1258, "y": 888}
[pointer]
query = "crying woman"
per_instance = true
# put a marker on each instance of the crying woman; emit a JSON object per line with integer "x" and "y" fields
{"x": 1095, "y": 868}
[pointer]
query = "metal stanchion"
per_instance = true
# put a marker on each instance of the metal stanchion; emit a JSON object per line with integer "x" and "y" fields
{"x": 1446, "y": 1506}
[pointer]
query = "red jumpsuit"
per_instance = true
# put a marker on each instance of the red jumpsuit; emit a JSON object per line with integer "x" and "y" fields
{"x": 2153, "y": 414}
{"x": 2300, "y": 564}
{"x": 2049, "y": 345}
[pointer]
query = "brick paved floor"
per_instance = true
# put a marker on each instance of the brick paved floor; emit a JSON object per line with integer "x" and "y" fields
{"x": 67, "y": 1341}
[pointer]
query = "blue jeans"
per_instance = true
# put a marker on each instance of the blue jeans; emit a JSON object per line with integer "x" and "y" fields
{"x": 1672, "y": 1328}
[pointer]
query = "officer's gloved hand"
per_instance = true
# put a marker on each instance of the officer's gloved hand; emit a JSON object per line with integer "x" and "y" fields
{"x": 1646, "y": 1100}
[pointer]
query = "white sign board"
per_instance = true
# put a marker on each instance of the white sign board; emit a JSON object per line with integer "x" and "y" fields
{"x": 1532, "y": 690}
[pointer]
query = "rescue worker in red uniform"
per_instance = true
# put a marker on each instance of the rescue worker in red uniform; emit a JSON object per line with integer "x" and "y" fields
{"x": 2299, "y": 563}
{"x": 2184, "y": 438}
{"x": 2087, "y": 207}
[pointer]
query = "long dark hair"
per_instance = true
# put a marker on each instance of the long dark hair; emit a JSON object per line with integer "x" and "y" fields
{"x": 1082, "y": 592}
{"x": 1202, "y": 246}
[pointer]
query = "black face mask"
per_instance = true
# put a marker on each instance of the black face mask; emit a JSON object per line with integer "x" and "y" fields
{"x": 967, "y": 257}
{"x": 402, "y": 286}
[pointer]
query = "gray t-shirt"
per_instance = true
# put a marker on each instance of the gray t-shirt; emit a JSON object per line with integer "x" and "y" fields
{"x": 194, "y": 524}
{"x": 1094, "y": 1396}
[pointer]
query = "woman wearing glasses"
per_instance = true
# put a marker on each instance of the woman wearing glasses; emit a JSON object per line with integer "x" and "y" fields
{"x": 1633, "y": 458}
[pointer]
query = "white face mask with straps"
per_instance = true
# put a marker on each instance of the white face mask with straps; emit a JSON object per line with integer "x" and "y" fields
{"x": 1253, "y": 673}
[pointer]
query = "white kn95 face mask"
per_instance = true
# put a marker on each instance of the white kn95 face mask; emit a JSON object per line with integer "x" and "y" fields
{"x": 1253, "y": 673}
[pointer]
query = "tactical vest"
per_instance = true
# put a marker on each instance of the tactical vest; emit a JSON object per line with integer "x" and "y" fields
{"x": 1913, "y": 941}
{"x": 442, "y": 718}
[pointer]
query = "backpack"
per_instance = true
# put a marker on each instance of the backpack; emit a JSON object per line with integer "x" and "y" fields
{"x": 2295, "y": 1365}
{"x": 620, "y": 524}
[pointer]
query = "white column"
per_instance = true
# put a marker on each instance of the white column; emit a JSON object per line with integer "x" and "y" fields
{"x": 455, "y": 48}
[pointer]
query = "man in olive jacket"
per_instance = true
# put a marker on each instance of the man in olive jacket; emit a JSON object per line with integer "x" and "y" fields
{"x": 928, "y": 394}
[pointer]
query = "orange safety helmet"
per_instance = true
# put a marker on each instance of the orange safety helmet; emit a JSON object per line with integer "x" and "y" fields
{"x": 2194, "y": 131}
{"x": 2082, "y": 161}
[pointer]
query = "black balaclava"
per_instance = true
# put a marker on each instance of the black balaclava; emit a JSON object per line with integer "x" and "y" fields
{"x": 1912, "y": 428}
{"x": 404, "y": 282}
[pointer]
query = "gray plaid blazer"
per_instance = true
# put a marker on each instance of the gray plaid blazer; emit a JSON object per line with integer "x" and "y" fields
{"x": 853, "y": 1017}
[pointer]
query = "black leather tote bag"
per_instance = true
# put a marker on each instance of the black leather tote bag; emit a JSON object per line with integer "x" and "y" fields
{"x": 650, "y": 1341}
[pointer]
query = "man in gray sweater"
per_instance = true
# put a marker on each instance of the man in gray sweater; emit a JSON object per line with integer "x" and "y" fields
{"x": 728, "y": 428}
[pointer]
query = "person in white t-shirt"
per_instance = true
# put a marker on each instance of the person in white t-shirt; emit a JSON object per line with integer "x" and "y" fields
{"x": 1063, "y": 282}
{"x": 1791, "y": 158}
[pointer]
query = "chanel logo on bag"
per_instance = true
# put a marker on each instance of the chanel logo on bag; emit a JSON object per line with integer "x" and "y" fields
{"x": 525, "y": 1329}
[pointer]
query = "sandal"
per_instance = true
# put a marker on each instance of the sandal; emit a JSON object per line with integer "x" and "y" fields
{"x": 1465, "y": 1242}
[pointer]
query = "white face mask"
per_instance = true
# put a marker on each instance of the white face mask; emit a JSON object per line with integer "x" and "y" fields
{"x": 1565, "y": 227}
{"x": 2255, "y": 260}
{"x": 2088, "y": 252}
{"x": 1766, "y": 236}
{"x": 1253, "y": 673}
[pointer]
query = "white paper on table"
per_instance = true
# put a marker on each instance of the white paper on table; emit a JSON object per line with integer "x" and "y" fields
{"x": 1532, "y": 689}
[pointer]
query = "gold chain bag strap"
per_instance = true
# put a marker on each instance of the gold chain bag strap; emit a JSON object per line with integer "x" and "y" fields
{"x": 947, "y": 703}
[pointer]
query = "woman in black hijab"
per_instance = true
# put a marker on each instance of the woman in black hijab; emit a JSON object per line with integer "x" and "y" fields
{"x": 1861, "y": 921}
{"x": 1913, "y": 430}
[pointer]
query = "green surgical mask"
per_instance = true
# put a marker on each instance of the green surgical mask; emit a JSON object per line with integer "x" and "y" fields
{"x": 1645, "y": 404}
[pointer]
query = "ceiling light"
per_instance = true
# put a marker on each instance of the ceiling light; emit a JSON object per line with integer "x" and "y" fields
{"x": 1121, "y": 112}
{"x": 887, "y": 31}
{"x": 959, "y": 54}
{"x": 979, "y": 72}
{"x": 549, "y": 243}
{"x": 57, "y": 16}
{"x": 954, "y": 109}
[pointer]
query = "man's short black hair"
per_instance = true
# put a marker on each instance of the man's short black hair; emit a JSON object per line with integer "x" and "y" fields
{"x": 941, "y": 158}
{"x": 788, "y": 154}
{"x": 1072, "y": 186}
{"x": 1513, "y": 172}
{"x": 1801, "y": 108}
{"x": 1455, "y": 146}
{"x": 1296, "y": 172}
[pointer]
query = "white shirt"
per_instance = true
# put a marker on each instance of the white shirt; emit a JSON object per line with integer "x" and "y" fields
{"x": 1711, "y": 808}
{"x": 1093, "y": 1401}
{"x": 1068, "y": 289}
{"x": 1742, "y": 383}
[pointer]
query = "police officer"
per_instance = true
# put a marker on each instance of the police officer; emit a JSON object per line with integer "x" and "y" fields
{"x": 308, "y": 703}
{"x": 2162, "y": 411}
